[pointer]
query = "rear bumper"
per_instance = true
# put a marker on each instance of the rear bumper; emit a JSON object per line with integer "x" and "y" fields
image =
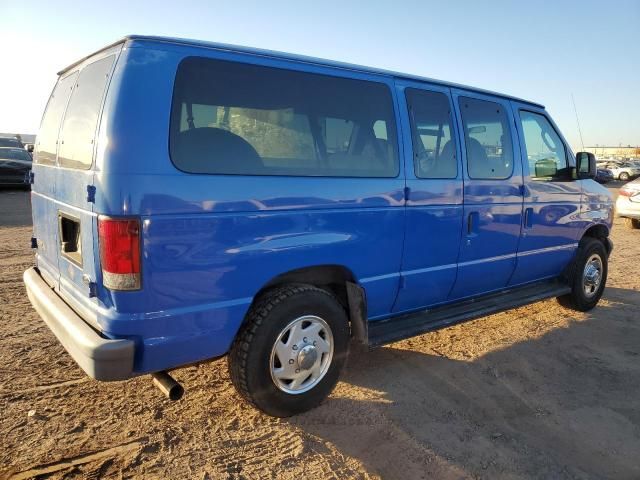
{"x": 101, "y": 358}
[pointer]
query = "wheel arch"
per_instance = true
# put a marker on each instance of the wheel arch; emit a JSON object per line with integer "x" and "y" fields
{"x": 337, "y": 279}
{"x": 600, "y": 232}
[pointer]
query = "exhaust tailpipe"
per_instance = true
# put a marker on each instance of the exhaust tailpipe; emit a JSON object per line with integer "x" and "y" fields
{"x": 167, "y": 385}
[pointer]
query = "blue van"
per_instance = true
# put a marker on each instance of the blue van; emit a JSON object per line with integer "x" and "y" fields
{"x": 192, "y": 200}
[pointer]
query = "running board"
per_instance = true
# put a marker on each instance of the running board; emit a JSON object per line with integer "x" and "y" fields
{"x": 412, "y": 324}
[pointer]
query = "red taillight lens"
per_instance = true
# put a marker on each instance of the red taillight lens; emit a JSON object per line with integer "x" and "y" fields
{"x": 628, "y": 192}
{"x": 119, "y": 242}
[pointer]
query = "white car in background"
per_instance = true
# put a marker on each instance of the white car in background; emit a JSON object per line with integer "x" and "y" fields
{"x": 628, "y": 204}
{"x": 623, "y": 170}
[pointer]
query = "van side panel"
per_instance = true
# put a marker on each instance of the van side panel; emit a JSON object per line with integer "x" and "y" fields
{"x": 211, "y": 242}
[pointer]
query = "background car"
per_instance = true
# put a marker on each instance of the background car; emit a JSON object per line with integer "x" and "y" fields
{"x": 10, "y": 142}
{"x": 604, "y": 175}
{"x": 15, "y": 163}
{"x": 628, "y": 204}
{"x": 623, "y": 170}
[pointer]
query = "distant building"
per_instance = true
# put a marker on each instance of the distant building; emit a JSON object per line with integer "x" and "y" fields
{"x": 614, "y": 152}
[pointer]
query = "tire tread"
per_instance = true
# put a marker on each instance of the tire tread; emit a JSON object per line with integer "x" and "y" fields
{"x": 259, "y": 311}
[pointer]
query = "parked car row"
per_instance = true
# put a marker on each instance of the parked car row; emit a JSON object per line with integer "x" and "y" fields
{"x": 623, "y": 170}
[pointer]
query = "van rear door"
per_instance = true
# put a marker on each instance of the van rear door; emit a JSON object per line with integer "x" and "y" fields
{"x": 43, "y": 191}
{"x": 64, "y": 212}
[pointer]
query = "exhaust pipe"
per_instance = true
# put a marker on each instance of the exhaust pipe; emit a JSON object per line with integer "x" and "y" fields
{"x": 167, "y": 385}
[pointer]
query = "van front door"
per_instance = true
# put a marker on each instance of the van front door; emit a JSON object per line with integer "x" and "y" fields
{"x": 434, "y": 196}
{"x": 493, "y": 187}
{"x": 551, "y": 221}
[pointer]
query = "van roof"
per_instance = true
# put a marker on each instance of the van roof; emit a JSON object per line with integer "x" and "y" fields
{"x": 295, "y": 57}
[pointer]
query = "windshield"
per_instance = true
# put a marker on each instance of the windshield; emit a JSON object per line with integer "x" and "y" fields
{"x": 10, "y": 142}
{"x": 14, "y": 154}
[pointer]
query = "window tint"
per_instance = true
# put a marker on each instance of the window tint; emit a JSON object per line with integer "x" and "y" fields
{"x": 487, "y": 139}
{"x": 48, "y": 135}
{"x": 234, "y": 118}
{"x": 545, "y": 151}
{"x": 81, "y": 118}
{"x": 14, "y": 154}
{"x": 431, "y": 131}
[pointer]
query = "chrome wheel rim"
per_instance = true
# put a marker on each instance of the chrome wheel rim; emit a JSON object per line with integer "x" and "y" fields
{"x": 301, "y": 355}
{"x": 592, "y": 275}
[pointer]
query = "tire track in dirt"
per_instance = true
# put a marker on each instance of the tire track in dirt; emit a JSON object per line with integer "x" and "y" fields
{"x": 67, "y": 463}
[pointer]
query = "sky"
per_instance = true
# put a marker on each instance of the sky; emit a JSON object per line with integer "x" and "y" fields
{"x": 545, "y": 51}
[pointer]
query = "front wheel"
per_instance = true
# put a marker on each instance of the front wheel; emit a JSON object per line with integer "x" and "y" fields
{"x": 589, "y": 276}
{"x": 288, "y": 354}
{"x": 624, "y": 176}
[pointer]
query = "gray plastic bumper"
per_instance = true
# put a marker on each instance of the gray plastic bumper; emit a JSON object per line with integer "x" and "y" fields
{"x": 101, "y": 358}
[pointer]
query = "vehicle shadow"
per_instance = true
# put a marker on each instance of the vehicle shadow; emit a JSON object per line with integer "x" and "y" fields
{"x": 563, "y": 404}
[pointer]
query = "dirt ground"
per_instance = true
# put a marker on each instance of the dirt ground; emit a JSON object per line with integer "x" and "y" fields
{"x": 538, "y": 392}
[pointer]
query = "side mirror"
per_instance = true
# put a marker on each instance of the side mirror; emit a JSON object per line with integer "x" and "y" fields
{"x": 586, "y": 165}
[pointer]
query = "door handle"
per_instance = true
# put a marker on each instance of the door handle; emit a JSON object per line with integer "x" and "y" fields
{"x": 472, "y": 223}
{"x": 528, "y": 217}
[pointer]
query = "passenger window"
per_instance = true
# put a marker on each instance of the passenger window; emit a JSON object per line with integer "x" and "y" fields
{"x": 235, "y": 118}
{"x": 81, "y": 118}
{"x": 546, "y": 153}
{"x": 48, "y": 135}
{"x": 487, "y": 139}
{"x": 431, "y": 131}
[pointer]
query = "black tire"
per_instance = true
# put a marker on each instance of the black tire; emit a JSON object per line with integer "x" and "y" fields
{"x": 624, "y": 176}
{"x": 578, "y": 298}
{"x": 249, "y": 360}
{"x": 632, "y": 223}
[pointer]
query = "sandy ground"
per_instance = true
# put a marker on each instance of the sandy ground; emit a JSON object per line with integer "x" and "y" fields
{"x": 539, "y": 392}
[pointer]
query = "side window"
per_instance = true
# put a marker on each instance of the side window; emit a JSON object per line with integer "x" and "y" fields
{"x": 48, "y": 134}
{"x": 487, "y": 139}
{"x": 546, "y": 153}
{"x": 431, "y": 132}
{"x": 241, "y": 119}
{"x": 81, "y": 118}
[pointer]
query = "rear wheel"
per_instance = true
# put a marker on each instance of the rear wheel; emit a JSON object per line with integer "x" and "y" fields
{"x": 288, "y": 355}
{"x": 632, "y": 223}
{"x": 589, "y": 276}
{"x": 624, "y": 176}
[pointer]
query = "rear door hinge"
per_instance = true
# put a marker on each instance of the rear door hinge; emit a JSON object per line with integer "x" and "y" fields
{"x": 93, "y": 287}
{"x": 91, "y": 193}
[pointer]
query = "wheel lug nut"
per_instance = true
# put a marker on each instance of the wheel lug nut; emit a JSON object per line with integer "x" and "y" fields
{"x": 295, "y": 347}
{"x": 314, "y": 342}
{"x": 291, "y": 361}
{"x": 304, "y": 339}
{"x": 297, "y": 370}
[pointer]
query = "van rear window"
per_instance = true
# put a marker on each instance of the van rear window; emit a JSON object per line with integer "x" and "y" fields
{"x": 47, "y": 142}
{"x": 81, "y": 118}
{"x": 235, "y": 118}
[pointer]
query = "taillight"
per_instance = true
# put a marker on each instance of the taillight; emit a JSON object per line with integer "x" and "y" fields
{"x": 627, "y": 192}
{"x": 119, "y": 242}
